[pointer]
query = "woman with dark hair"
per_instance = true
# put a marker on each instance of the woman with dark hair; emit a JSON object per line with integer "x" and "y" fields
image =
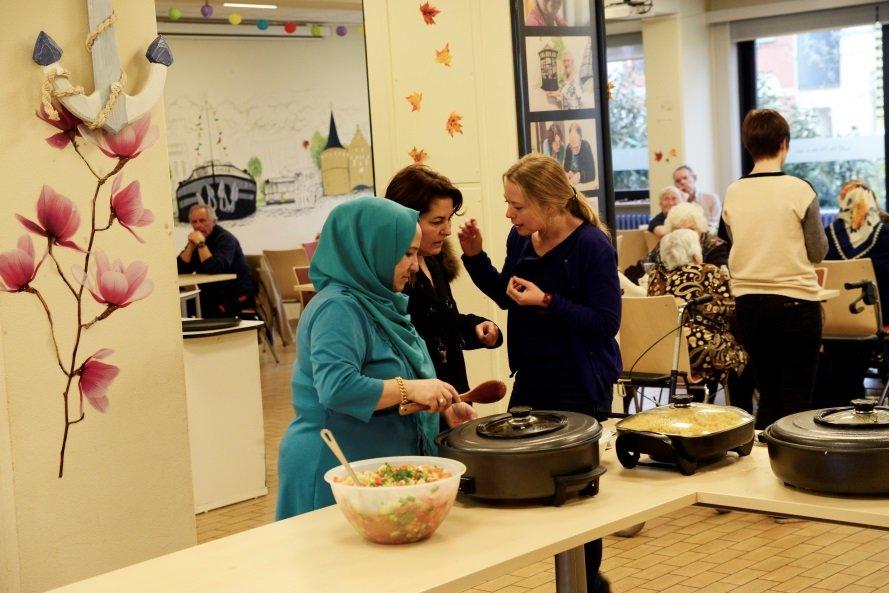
{"x": 560, "y": 286}
{"x": 774, "y": 222}
{"x": 446, "y": 331}
{"x": 554, "y": 145}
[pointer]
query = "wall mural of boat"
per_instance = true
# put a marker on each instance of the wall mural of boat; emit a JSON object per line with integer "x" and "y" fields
{"x": 230, "y": 191}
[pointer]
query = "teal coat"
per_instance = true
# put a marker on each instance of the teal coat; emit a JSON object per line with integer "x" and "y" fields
{"x": 354, "y": 334}
{"x": 337, "y": 387}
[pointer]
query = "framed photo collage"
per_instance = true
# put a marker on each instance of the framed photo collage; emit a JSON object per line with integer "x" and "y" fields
{"x": 561, "y": 83}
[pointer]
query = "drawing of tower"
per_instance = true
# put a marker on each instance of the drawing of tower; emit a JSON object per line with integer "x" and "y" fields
{"x": 334, "y": 164}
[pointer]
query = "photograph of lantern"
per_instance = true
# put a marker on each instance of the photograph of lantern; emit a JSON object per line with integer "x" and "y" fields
{"x": 556, "y": 77}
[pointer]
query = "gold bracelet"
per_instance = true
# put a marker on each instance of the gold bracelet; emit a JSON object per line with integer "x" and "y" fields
{"x": 403, "y": 390}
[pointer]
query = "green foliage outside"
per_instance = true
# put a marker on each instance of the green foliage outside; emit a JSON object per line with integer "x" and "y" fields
{"x": 254, "y": 167}
{"x": 316, "y": 145}
{"x": 627, "y": 120}
{"x": 827, "y": 177}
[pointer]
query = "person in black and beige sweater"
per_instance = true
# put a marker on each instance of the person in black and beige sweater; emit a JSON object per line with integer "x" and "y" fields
{"x": 774, "y": 223}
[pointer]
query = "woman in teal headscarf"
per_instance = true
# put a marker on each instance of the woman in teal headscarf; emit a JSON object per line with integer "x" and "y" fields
{"x": 359, "y": 356}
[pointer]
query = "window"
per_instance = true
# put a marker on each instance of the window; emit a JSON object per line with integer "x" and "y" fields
{"x": 829, "y": 86}
{"x": 627, "y": 117}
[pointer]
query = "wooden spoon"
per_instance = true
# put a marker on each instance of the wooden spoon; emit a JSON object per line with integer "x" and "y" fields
{"x": 483, "y": 393}
{"x": 328, "y": 438}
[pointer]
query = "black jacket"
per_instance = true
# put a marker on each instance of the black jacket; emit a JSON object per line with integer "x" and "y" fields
{"x": 446, "y": 331}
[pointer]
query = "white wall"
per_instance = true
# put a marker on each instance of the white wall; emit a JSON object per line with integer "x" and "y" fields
{"x": 479, "y": 86}
{"x": 268, "y": 95}
{"x": 126, "y": 495}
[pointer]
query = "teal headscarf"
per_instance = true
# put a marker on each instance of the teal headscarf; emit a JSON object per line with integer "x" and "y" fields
{"x": 361, "y": 242}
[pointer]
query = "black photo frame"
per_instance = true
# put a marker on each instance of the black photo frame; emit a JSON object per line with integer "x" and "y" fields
{"x": 562, "y": 85}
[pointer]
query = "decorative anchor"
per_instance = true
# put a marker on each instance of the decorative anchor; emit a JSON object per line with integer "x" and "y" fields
{"x": 108, "y": 76}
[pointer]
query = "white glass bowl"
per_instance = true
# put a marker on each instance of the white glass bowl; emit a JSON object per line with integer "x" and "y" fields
{"x": 396, "y": 514}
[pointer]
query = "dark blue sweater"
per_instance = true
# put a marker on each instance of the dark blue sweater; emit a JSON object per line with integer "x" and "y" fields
{"x": 572, "y": 341}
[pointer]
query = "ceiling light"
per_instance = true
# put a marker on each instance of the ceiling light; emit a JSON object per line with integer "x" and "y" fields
{"x": 244, "y": 5}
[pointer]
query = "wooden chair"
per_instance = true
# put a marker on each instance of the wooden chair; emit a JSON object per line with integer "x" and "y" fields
{"x": 310, "y": 248}
{"x": 281, "y": 265}
{"x": 633, "y": 246}
{"x": 263, "y": 307}
{"x": 855, "y": 315}
{"x": 840, "y": 323}
{"x": 301, "y": 273}
{"x": 647, "y": 341}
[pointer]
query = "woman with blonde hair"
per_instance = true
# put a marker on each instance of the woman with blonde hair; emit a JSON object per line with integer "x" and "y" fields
{"x": 559, "y": 284}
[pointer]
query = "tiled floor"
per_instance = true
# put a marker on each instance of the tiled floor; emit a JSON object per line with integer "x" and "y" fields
{"x": 690, "y": 551}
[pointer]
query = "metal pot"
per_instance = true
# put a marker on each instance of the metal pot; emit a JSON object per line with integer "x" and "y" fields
{"x": 526, "y": 454}
{"x": 843, "y": 450}
{"x": 684, "y": 434}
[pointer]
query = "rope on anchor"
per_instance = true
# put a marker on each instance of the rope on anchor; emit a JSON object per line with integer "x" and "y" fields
{"x": 94, "y": 34}
{"x": 116, "y": 88}
{"x": 47, "y": 92}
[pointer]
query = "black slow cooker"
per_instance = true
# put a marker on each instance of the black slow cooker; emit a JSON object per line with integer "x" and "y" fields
{"x": 841, "y": 450}
{"x": 527, "y": 454}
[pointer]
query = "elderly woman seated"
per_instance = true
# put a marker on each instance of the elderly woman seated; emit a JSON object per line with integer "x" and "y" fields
{"x": 857, "y": 232}
{"x": 713, "y": 350}
{"x": 686, "y": 215}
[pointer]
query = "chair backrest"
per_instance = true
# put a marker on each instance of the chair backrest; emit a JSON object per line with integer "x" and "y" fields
{"x": 644, "y": 321}
{"x": 310, "y": 248}
{"x": 281, "y": 266}
{"x": 301, "y": 273}
{"x": 651, "y": 240}
{"x": 271, "y": 307}
{"x": 821, "y": 273}
{"x": 630, "y": 248}
{"x": 839, "y": 321}
{"x": 254, "y": 261}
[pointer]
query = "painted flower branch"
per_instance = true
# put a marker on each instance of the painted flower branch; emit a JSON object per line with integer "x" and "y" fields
{"x": 110, "y": 283}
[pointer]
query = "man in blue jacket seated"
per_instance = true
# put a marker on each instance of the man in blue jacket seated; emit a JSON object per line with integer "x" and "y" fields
{"x": 213, "y": 250}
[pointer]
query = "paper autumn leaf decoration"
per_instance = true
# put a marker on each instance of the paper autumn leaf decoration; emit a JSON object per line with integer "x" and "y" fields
{"x": 673, "y": 153}
{"x": 419, "y": 155}
{"x": 429, "y": 13}
{"x": 414, "y": 99}
{"x": 443, "y": 56}
{"x": 658, "y": 155}
{"x": 453, "y": 124}
{"x": 306, "y": 144}
{"x": 610, "y": 88}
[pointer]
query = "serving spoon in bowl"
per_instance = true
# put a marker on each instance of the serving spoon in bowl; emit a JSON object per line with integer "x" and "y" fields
{"x": 330, "y": 440}
{"x": 487, "y": 392}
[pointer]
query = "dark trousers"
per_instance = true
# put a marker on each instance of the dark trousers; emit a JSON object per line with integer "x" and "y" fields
{"x": 841, "y": 371}
{"x": 592, "y": 553}
{"x": 782, "y": 335}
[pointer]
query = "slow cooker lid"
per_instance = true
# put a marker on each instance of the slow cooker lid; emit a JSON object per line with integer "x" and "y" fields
{"x": 523, "y": 429}
{"x": 861, "y": 425}
{"x": 685, "y": 418}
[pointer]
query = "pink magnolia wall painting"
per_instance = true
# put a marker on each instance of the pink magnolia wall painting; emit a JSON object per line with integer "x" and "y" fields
{"x": 99, "y": 284}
